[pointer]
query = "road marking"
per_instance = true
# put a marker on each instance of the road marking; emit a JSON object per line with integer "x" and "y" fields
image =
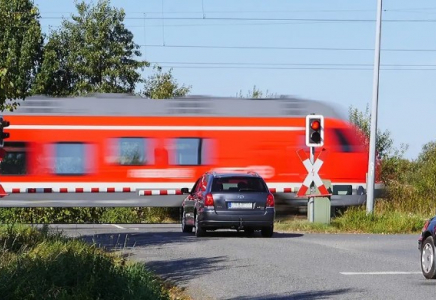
{"x": 379, "y": 273}
{"x": 115, "y": 225}
{"x": 118, "y": 226}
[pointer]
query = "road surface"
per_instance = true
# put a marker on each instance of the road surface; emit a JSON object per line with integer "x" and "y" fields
{"x": 227, "y": 265}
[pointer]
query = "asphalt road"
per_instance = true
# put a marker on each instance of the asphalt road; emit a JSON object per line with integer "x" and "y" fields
{"x": 225, "y": 265}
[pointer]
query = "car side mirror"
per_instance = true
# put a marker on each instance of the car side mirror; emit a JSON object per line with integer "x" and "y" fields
{"x": 185, "y": 191}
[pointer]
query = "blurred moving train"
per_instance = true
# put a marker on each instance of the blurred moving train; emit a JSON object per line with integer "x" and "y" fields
{"x": 105, "y": 144}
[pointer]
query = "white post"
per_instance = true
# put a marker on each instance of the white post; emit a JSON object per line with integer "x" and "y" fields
{"x": 373, "y": 135}
{"x": 312, "y": 189}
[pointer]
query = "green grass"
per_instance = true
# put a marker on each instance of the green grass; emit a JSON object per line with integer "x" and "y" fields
{"x": 356, "y": 220}
{"x": 36, "y": 264}
{"x": 80, "y": 215}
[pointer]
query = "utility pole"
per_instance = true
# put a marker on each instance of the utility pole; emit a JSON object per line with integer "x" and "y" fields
{"x": 373, "y": 136}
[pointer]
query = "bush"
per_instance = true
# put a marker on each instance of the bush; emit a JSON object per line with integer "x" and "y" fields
{"x": 49, "y": 266}
{"x": 411, "y": 185}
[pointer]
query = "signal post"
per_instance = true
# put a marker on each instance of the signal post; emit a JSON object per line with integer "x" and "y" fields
{"x": 319, "y": 206}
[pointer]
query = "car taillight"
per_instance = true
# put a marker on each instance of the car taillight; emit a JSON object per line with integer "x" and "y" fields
{"x": 209, "y": 200}
{"x": 270, "y": 200}
{"x": 425, "y": 225}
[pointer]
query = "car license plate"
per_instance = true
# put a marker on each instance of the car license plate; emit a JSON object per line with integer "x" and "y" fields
{"x": 240, "y": 205}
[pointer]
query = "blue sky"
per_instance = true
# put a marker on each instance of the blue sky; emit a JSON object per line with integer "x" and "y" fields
{"x": 218, "y": 53}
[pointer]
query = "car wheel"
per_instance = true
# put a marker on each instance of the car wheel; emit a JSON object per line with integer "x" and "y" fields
{"x": 198, "y": 230}
{"x": 267, "y": 231}
{"x": 185, "y": 228}
{"x": 428, "y": 258}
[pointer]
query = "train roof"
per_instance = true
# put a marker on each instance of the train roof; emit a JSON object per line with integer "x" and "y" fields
{"x": 192, "y": 105}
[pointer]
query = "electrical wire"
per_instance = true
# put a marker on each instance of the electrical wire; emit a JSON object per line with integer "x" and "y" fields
{"x": 293, "y": 64}
{"x": 277, "y": 19}
{"x": 295, "y": 68}
{"x": 288, "y": 48}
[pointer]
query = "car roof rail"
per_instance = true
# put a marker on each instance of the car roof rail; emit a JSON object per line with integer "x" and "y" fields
{"x": 213, "y": 172}
{"x": 253, "y": 173}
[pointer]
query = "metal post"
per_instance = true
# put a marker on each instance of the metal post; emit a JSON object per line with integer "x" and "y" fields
{"x": 373, "y": 137}
{"x": 312, "y": 188}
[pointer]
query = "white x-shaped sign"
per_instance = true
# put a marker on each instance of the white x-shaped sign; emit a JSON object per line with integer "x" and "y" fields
{"x": 313, "y": 175}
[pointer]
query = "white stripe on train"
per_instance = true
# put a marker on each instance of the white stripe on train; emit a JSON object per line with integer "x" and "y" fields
{"x": 151, "y": 188}
{"x": 160, "y": 128}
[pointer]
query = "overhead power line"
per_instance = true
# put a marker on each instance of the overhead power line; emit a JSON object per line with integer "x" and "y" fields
{"x": 292, "y": 19}
{"x": 293, "y": 68}
{"x": 412, "y": 9}
{"x": 274, "y": 19}
{"x": 292, "y": 64}
{"x": 288, "y": 48}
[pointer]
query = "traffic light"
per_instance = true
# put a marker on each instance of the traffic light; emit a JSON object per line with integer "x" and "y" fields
{"x": 314, "y": 130}
{"x": 3, "y": 135}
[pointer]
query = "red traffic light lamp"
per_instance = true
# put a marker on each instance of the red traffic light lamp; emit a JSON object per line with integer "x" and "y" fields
{"x": 315, "y": 125}
{"x": 314, "y": 130}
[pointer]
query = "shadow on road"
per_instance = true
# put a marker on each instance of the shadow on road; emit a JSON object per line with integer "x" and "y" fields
{"x": 242, "y": 234}
{"x": 281, "y": 235}
{"x": 182, "y": 271}
{"x": 426, "y": 282}
{"x": 126, "y": 240}
{"x": 300, "y": 296}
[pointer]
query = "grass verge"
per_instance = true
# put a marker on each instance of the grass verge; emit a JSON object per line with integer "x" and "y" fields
{"x": 79, "y": 215}
{"x": 356, "y": 220}
{"x": 36, "y": 264}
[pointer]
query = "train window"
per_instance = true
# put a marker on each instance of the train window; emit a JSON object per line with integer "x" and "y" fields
{"x": 349, "y": 140}
{"x": 187, "y": 151}
{"x": 14, "y": 162}
{"x": 134, "y": 151}
{"x": 70, "y": 158}
{"x": 343, "y": 141}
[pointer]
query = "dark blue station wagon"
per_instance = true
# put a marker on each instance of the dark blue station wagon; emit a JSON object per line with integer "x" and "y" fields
{"x": 240, "y": 201}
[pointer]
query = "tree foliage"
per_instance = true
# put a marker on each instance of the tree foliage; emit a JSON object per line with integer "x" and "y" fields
{"x": 393, "y": 166}
{"x": 257, "y": 94}
{"x": 92, "y": 52}
{"x": 20, "y": 49}
{"x": 424, "y": 177}
{"x": 162, "y": 85}
{"x": 384, "y": 143}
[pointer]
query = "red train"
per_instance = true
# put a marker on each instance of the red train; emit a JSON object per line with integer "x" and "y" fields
{"x": 118, "y": 146}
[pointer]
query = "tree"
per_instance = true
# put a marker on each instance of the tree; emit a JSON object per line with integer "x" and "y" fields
{"x": 393, "y": 164}
{"x": 257, "y": 93}
{"x": 93, "y": 52}
{"x": 162, "y": 85}
{"x": 20, "y": 50}
{"x": 384, "y": 143}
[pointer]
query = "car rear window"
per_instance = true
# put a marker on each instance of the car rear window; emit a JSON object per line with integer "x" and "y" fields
{"x": 239, "y": 184}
